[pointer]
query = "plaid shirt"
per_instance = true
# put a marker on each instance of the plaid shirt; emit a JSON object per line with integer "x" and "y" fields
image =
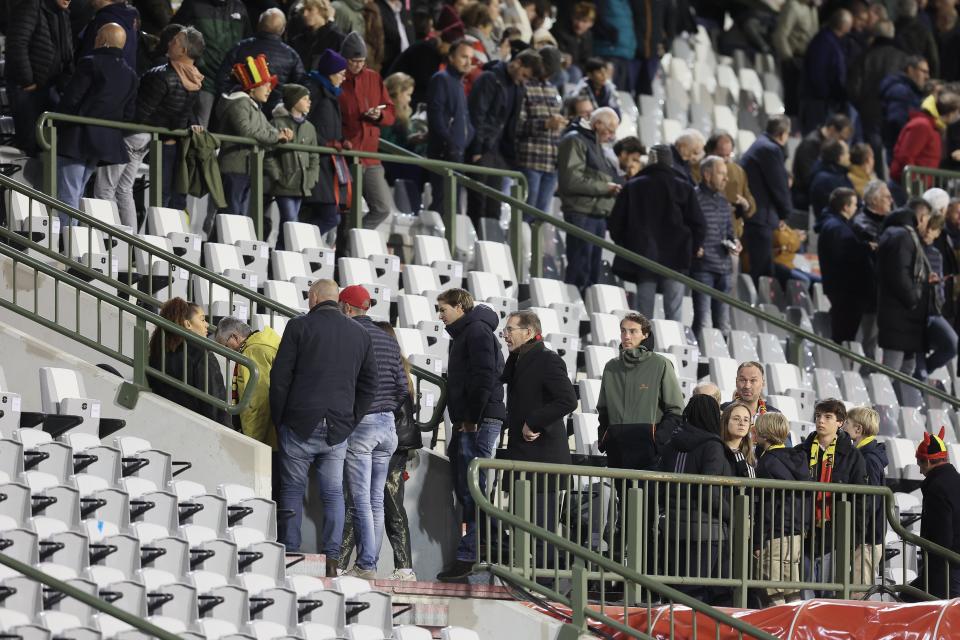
{"x": 537, "y": 145}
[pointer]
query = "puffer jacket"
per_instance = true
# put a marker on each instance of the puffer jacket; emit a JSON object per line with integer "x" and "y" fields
{"x": 474, "y": 390}
{"x": 255, "y": 422}
{"x": 293, "y": 173}
{"x": 783, "y": 513}
{"x": 223, "y": 23}
{"x": 163, "y": 101}
{"x": 284, "y": 63}
{"x": 240, "y": 115}
{"x": 39, "y": 46}
{"x": 584, "y": 173}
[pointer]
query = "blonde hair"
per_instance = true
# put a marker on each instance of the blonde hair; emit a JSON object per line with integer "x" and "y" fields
{"x": 867, "y": 418}
{"x": 323, "y": 6}
{"x": 772, "y": 427}
{"x": 397, "y": 83}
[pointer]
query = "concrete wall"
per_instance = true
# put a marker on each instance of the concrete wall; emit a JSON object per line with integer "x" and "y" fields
{"x": 502, "y": 619}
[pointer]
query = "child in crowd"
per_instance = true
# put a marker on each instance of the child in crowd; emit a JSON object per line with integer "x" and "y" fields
{"x": 863, "y": 425}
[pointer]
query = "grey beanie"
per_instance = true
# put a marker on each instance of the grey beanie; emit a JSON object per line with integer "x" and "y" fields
{"x": 353, "y": 47}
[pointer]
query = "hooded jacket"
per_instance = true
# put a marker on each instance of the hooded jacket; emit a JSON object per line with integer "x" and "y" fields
{"x": 239, "y": 115}
{"x": 875, "y": 458}
{"x": 585, "y": 173}
{"x": 202, "y": 371}
{"x": 696, "y": 451}
{"x": 782, "y": 513}
{"x": 474, "y": 391}
{"x": 919, "y": 143}
{"x": 255, "y": 422}
{"x": 903, "y": 292}
{"x": 293, "y": 173}
{"x": 638, "y": 389}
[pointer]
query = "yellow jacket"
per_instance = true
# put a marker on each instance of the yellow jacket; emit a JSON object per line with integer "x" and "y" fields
{"x": 261, "y": 347}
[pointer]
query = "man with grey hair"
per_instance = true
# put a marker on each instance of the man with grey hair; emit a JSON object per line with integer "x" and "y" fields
{"x": 687, "y": 149}
{"x": 588, "y": 186}
{"x": 713, "y": 267}
{"x": 323, "y": 380}
{"x": 868, "y": 223}
{"x": 708, "y": 389}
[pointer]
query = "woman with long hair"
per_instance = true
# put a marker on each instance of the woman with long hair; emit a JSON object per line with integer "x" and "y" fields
{"x": 735, "y": 425}
{"x": 171, "y": 354}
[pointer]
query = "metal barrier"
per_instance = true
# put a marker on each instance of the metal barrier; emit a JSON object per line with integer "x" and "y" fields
{"x": 916, "y": 180}
{"x": 25, "y": 274}
{"x": 717, "y": 539}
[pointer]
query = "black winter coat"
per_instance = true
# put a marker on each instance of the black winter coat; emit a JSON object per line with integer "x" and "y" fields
{"x": 494, "y": 123}
{"x": 154, "y": 15}
{"x": 903, "y": 292}
{"x": 325, "y": 368}
{"x": 539, "y": 394}
{"x": 782, "y": 513}
{"x": 284, "y": 63}
{"x": 420, "y": 61}
{"x": 940, "y": 523}
{"x": 951, "y": 267}
{"x": 658, "y": 216}
{"x": 391, "y": 34}
{"x": 698, "y": 452}
{"x": 474, "y": 391}
{"x": 122, "y": 14}
{"x": 202, "y": 372}
{"x": 767, "y": 177}
{"x": 39, "y": 45}
{"x": 882, "y": 58}
{"x": 846, "y": 261}
{"x": 163, "y": 101}
{"x": 310, "y": 45}
{"x": 104, "y": 87}
{"x": 327, "y": 120}
{"x": 826, "y": 178}
{"x": 873, "y": 519}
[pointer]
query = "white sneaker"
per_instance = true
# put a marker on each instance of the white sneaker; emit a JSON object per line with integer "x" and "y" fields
{"x": 357, "y": 572}
{"x": 403, "y": 575}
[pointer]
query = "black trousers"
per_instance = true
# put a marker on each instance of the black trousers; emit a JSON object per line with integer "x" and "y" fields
{"x": 845, "y": 316}
{"x": 758, "y": 242}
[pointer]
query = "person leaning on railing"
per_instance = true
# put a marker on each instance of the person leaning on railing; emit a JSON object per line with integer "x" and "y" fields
{"x": 197, "y": 367}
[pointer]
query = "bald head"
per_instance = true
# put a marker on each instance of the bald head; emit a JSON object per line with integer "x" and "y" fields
{"x": 708, "y": 389}
{"x": 111, "y": 35}
{"x": 272, "y": 21}
{"x": 323, "y": 291}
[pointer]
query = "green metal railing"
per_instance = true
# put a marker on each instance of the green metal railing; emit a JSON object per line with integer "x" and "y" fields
{"x": 916, "y": 180}
{"x": 92, "y": 601}
{"x": 629, "y": 533}
{"x": 24, "y": 277}
{"x": 585, "y": 570}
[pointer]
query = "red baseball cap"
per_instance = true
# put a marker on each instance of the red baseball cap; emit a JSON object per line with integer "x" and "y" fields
{"x": 356, "y": 296}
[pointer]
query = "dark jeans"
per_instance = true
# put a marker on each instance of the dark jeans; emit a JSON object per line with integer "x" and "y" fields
{"x": 464, "y": 447}
{"x": 941, "y": 341}
{"x": 325, "y": 216}
{"x": 583, "y": 259}
{"x": 168, "y": 169}
{"x": 704, "y": 304}
{"x": 845, "y": 316}
{"x": 478, "y": 205}
{"x": 236, "y": 186}
{"x": 27, "y": 107}
{"x": 758, "y": 243}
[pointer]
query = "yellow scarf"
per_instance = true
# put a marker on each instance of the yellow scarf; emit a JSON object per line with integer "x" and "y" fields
{"x": 866, "y": 441}
{"x": 826, "y": 472}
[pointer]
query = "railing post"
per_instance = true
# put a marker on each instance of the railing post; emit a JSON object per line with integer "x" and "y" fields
{"x": 536, "y": 249}
{"x": 574, "y": 629}
{"x": 741, "y": 548}
{"x": 516, "y": 230}
{"x": 256, "y": 191}
{"x": 156, "y": 171}
{"x": 356, "y": 205}
{"x": 449, "y": 207}
{"x": 520, "y": 506}
{"x": 843, "y": 553}
{"x": 50, "y": 162}
{"x": 635, "y": 534}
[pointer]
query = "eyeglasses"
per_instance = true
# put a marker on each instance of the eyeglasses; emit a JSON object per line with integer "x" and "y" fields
{"x": 508, "y": 330}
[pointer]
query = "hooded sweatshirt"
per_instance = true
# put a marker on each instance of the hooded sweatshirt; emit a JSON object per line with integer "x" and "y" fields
{"x": 255, "y": 422}
{"x": 638, "y": 388}
{"x": 474, "y": 390}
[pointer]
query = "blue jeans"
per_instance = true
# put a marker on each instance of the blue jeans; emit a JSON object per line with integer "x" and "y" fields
{"x": 542, "y": 185}
{"x": 672, "y": 296}
{"x": 236, "y": 186}
{"x": 296, "y": 456}
{"x": 289, "y": 209}
{"x": 481, "y": 443}
{"x": 72, "y": 177}
{"x": 702, "y": 303}
{"x": 369, "y": 448}
{"x": 583, "y": 259}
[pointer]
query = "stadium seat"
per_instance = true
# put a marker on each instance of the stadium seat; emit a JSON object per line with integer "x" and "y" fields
{"x": 495, "y": 257}
{"x": 85, "y": 246}
{"x": 743, "y": 347}
{"x": 585, "y": 436}
{"x": 368, "y": 244}
{"x": 107, "y": 212}
{"x": 605, "y": 298}
{"x": 360, "y": 271}
{"x": 604, "y": 330}
{"x": 589, "y": 394}
{"x": 293, "y": 267}
{"x": 597, "y": 358}
{"x": 433, "y": 251}
{"x": 723, "y": 373}
{"x": 172, "y": 224}
{"x": 239, "y": 232}
{"x": 305, "y": 239}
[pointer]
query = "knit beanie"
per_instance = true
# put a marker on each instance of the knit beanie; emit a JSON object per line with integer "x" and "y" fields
{"x": 330, "y": 62}
{"x": 292, "y": 93}
{"x": 551, "y": 60}
{"x": 353, "y": 47}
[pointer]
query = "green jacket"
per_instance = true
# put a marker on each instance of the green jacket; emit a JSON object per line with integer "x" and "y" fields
{"x": 292, "y": 173}
{"x": 198, "y": 172}
{"x": 223, "y": 24}
{"x": 639, "y": 387}
{"x": 255, "y": 422}
{"x": 349, "y": 16}
{"x": 240, "y": 115}
{"x": 584, "y": 174}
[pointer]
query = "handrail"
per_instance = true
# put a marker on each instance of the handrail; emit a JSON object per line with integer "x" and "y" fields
{"x": 584, "y": 557}
{"x": 88, "y": 599}
{"x": 917, "y": 179}
{"x": 140, "y": 360}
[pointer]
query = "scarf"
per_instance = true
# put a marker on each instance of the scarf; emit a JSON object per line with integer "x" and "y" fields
{"x": 866, "y": 441}
{"x": 761, "y": 406}
{"x": 190, "y": 76}
{"x": 826, "y": 472}
{"x": 325, "y": 81}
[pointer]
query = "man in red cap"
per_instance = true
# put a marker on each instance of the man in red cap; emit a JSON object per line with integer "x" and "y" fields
{"x": 940, "y": 521}
{"x": 374, "y": 439}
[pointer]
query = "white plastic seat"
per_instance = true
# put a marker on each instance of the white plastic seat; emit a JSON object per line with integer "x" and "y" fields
{"x": 743, "y": 348}
{"x": 589, "y": 394}
{"x": 597, "y": 358}
{"x": 604, "y": 329}
{"x": 723, "y": 373}
{"x": 434, "y": 251}
{"x": 417, "y": 312}
{"x": 172, "y": 224}
{"x": 360, "y": 271}
{"x": 913, "y": 423}
{"x": 286, "y": 293}
{"x": 239, "y": 231}
{"x": 85, "y": 246}
{"x": 62, "y": 392}
{"x": 411, "y": 341}
{"x": 605, "y": 298}
{"x": 411, "y": 632}
{"x": 854, "y": 389}
{"x": 770, "y": 349}
{"x": 107, "y": 212}
{"x": 495, "y": 257}
{"x": 368, "y": 244}
{"x": 585, "y": 433}
{"x": 363, "y": 632}
{"x": 555, "y": 295}
{"x": 489, "y": 287}
{"x": 782, "y": 377}
{"x": 305, "y": 239}
{"x": 786, "y": 405}
{"x": 293, "y": 267}
{"x": 724, "y": 119}
{"x": 881, "y": 389}
{"x": 30, "y": 217}
{"x": 227, "y": 260}
{"x": 10, "y": 406}
{"x": 259, "y": 321}
{"x": 419, "y": 280}
{"x": 158, "y": 277}
{"x": 458, "y": 633}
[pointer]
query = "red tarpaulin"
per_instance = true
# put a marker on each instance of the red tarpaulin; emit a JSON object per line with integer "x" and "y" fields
{"x": 810, "y": 620}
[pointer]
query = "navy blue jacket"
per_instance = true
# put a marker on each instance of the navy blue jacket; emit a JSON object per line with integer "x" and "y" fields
{"x": 875, "y": 458}
{"x": 493, "y": 121}
{"x": 474, "y": 390}
{"x": 719, "y": 227}
{"x": 825, "y": 68}
{"x": 826, "y": 178}
{"x": 392, "y": 387}
{"x": 899, "y": 96}
{"x": 125, "y": 16}
{"x": 325, "y": 369}
{"x": 105, "y": 87}
{"x": 767, "y": 177}
{"x": 284, "y": 61}
{"x": 940, "y": 523}
{"x": 846, "y": 261}
{"x": 784, "y": 513}
{"x": 448, "y": 119}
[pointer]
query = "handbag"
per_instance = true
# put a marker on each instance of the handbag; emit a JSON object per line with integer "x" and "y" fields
{"x": 342, "y": 182}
